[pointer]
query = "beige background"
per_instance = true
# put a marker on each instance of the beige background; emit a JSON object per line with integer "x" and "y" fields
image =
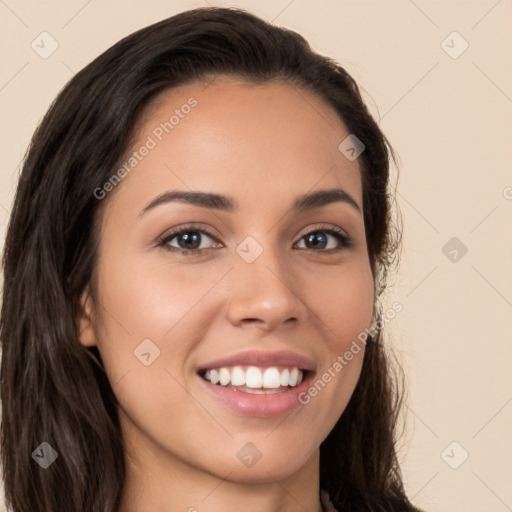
{"x": 450, "y": 121}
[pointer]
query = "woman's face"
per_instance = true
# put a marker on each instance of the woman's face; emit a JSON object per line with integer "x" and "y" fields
{"x": 256, "y": 287}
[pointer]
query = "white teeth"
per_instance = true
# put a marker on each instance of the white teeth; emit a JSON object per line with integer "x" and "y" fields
{"x": 254, "y": 377}
{"x": 294, "y": 375}
{"x": 224, "y": 376}
{"x": 237, "y": 376}
{"x": 271, "y": 378}
{"x": 212, "y": 376}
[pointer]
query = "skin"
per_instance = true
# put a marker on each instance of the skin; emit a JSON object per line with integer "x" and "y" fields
{"x": 262, "y": 145}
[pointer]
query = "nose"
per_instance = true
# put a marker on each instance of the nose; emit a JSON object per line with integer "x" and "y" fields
{"x": 265, "y": 293}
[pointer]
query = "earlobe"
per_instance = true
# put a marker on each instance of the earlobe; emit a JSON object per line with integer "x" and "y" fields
{"x": 85, "y": 322}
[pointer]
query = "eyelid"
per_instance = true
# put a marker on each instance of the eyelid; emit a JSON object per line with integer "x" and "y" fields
{"x": 183, "y": 228}
{"x": 325, "y": 227}
{"x": 345, "y": 240}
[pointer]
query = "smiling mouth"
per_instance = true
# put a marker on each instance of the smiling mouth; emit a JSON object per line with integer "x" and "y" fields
{"x": 255, "y": 380}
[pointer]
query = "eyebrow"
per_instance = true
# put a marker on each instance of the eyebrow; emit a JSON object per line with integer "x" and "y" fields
{"x": 228, "y": 204}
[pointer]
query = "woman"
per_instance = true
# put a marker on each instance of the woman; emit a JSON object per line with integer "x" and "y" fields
{"x": 193, "y": 265}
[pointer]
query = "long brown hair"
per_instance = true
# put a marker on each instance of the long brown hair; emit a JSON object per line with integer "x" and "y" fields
{"x": 52, "y": 388}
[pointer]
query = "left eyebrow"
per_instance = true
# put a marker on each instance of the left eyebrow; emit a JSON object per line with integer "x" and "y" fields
{"x": 228, "y": 204}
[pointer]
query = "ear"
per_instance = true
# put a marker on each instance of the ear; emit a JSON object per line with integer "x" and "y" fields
{"x": 85, "y": 320}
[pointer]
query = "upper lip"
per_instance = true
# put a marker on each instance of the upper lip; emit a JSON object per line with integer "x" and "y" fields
{"x": 258, "y": 358}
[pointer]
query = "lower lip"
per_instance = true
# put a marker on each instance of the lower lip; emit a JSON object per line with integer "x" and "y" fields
{"x": 259, "y": 405}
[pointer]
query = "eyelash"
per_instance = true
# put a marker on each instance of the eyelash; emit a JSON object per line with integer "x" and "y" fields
{"x": 345, "y": 241}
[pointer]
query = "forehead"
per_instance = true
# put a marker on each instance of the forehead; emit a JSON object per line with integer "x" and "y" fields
{"x": 257, "y": 142}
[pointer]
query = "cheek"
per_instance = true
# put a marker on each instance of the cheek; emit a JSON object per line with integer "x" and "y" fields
{"x": 152, "y": 317}
{"x": 150, "y": 321}
{"x": 343, "y": 302}
{"x": 149, "y": 301}
{"x": 174, "y": 306}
